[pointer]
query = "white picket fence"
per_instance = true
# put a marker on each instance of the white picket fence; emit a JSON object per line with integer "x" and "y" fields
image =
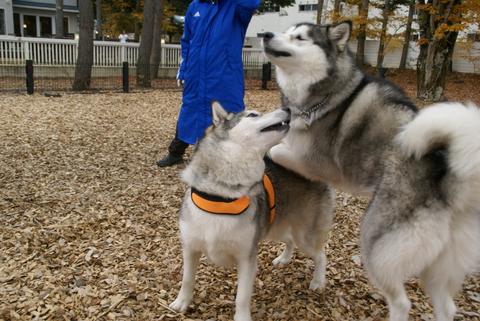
{"x": 59, "y": 52}
{"x": 55, "y": 52}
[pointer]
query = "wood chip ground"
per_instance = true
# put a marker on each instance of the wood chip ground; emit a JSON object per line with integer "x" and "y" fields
{"x": 88, "y": 224}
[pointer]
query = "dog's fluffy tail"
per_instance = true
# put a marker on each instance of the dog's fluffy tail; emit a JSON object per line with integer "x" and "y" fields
{"x": 457, "y": 128}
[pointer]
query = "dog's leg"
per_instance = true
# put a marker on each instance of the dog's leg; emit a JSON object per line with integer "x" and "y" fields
{"x": 444, "y": 278}
{"x": 390, "y": 282}
{"x": 318, "y": 281}
{"x": 286, "y": 256}
{"x": 282, "y": 154}
{"x": 190, "y": 263}
{"x": 398, "y": 302}
{"x": 247, "y": 269}
{"x": 443, "y": 305}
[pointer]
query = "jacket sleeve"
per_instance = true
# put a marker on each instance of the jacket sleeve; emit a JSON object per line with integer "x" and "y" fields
{"x": 246, "y": 8}
{"x": 185, "y": 45}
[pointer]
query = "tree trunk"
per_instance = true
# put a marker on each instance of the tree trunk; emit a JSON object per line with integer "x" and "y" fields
{"x": 319, "y": 12}
{"x": 336, "y": 10}
{"x": 59, "y": 32}
{"x": 98, "y": 7}
{"x": 434, "y": 67}
{"x": 408, "y": 33}
{"x": 83, "y": 67}
{"x": 157, "y": 38}
{"x": 362, "y": 32}
{"x": 138, "y": 28}
{"x": 435, "y": 52}
{"x": 383, "y": 35}
{"x": 145, "y": 49}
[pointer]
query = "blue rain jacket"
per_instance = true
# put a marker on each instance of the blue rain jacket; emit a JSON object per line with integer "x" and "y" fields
{"x": 211, "y": 65}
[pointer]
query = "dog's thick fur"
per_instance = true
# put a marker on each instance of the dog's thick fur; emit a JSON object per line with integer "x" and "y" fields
{"x": 364, "y": 136}
{"x": 229, "y": 162}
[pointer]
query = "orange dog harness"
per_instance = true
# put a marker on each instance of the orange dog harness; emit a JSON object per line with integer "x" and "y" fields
{"x": 218, "y": 205}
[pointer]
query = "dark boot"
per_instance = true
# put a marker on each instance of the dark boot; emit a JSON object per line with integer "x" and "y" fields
{"x": 169, "y": 160}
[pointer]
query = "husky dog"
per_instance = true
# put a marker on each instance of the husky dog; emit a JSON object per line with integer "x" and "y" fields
{"x": 228, "y": 164}
{"x": 363, "y": 135}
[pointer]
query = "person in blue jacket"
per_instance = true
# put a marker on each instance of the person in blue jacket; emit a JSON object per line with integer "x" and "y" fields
{"x": 211, "y": 67}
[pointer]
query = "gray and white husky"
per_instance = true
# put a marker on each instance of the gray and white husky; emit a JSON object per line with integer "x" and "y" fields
{"x": 363, "y": 135}
{"x": 229, "y": 163}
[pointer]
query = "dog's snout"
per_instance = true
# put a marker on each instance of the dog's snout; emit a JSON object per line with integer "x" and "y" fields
{"x": 286, "y": 109}
{"x": 268, "y": 36}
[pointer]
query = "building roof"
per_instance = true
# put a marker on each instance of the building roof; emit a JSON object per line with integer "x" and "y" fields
{"x": 42, "y": 5}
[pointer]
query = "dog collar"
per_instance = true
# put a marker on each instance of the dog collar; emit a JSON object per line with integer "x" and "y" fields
{"x": 214, "y": 204}
{"x": 307, "y": 114}
{"x": 342, "y": 106}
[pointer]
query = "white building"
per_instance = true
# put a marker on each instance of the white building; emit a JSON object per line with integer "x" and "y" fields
{"x": 277, "y": 19}
{"x": 36, "y": 18}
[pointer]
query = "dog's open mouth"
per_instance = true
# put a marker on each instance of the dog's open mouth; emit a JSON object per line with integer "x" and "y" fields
{"x": 283, "y": 125}
{"x": 277, "y": 53}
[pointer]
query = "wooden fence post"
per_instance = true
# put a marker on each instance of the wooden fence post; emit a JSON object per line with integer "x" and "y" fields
{"x": 266, "y": 74}
{"x": 125, "y": 76}
{"x": 29, "y": 74}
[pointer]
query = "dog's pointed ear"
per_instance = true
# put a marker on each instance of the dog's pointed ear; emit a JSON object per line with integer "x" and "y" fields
{"x": 220, "y": 115}
{"x": 340, "y": 33}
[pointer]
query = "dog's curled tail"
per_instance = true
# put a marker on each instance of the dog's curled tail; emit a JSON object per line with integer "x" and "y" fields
{"x": 456, "y": 127}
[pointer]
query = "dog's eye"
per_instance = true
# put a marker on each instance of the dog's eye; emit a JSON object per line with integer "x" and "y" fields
{"x": 252, "y": 115}
{"x": 300, "y": 38}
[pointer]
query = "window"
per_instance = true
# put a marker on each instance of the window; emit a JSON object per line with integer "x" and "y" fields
{"x": 65, "y": 25}
{"x": 45, "y": 26}
{"x": 2, "y": 22}
{"x": 269, "y": 7}
{"x": 29, "y": 26}
{"x": 16, "y": 25}
{"x": 307, "y": 7}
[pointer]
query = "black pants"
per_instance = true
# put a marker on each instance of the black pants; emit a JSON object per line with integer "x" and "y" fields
{"x": 177, "y": 147}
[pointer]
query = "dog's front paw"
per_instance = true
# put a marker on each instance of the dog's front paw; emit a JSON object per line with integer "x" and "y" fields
{"x": 276, "y": 151}
{"x": 180, "y": 305}
{"x": 242, "y": 316}
{"x": 317, "y": 285}
{"x": 281, "y": 260}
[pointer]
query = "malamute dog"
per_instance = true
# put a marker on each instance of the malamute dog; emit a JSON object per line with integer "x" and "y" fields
{"x": 226, "y": 170}
{"x": 364, "y": 136}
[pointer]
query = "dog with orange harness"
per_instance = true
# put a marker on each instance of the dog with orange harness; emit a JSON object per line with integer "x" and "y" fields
{"x": 238, "y": 197}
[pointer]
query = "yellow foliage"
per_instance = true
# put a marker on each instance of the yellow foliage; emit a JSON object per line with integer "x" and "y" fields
{"x": 459, "y": 17}
{"x": 422, "y": 41}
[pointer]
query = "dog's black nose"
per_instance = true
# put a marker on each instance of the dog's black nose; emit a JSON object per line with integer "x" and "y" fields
{"x": 267, "y": 36}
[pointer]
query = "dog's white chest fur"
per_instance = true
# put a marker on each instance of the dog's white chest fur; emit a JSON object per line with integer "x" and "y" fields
{"x": 217, "y": 236}
{"x": 295, "y": 88}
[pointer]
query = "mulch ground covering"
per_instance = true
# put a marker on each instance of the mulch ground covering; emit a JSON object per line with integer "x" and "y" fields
{"x": 459, "y": 87}
{"x": 88, "y": 223}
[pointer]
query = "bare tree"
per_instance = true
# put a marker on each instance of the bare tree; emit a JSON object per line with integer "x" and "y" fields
{"x": 138, "y": 28}
{"x": 362, "y": 32}
{"x": 319, "y": 11}
{"x": 83, "y": 67}
{"x": 386, "y": 12}
{"x": 59, "y": 32}
{"x": 408, "y": 32}
{"x": 98, "y": 7}
{"x": 157, "y": 38}
{"x": 336, "y": 10}
{"x": 145, "y": 50}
